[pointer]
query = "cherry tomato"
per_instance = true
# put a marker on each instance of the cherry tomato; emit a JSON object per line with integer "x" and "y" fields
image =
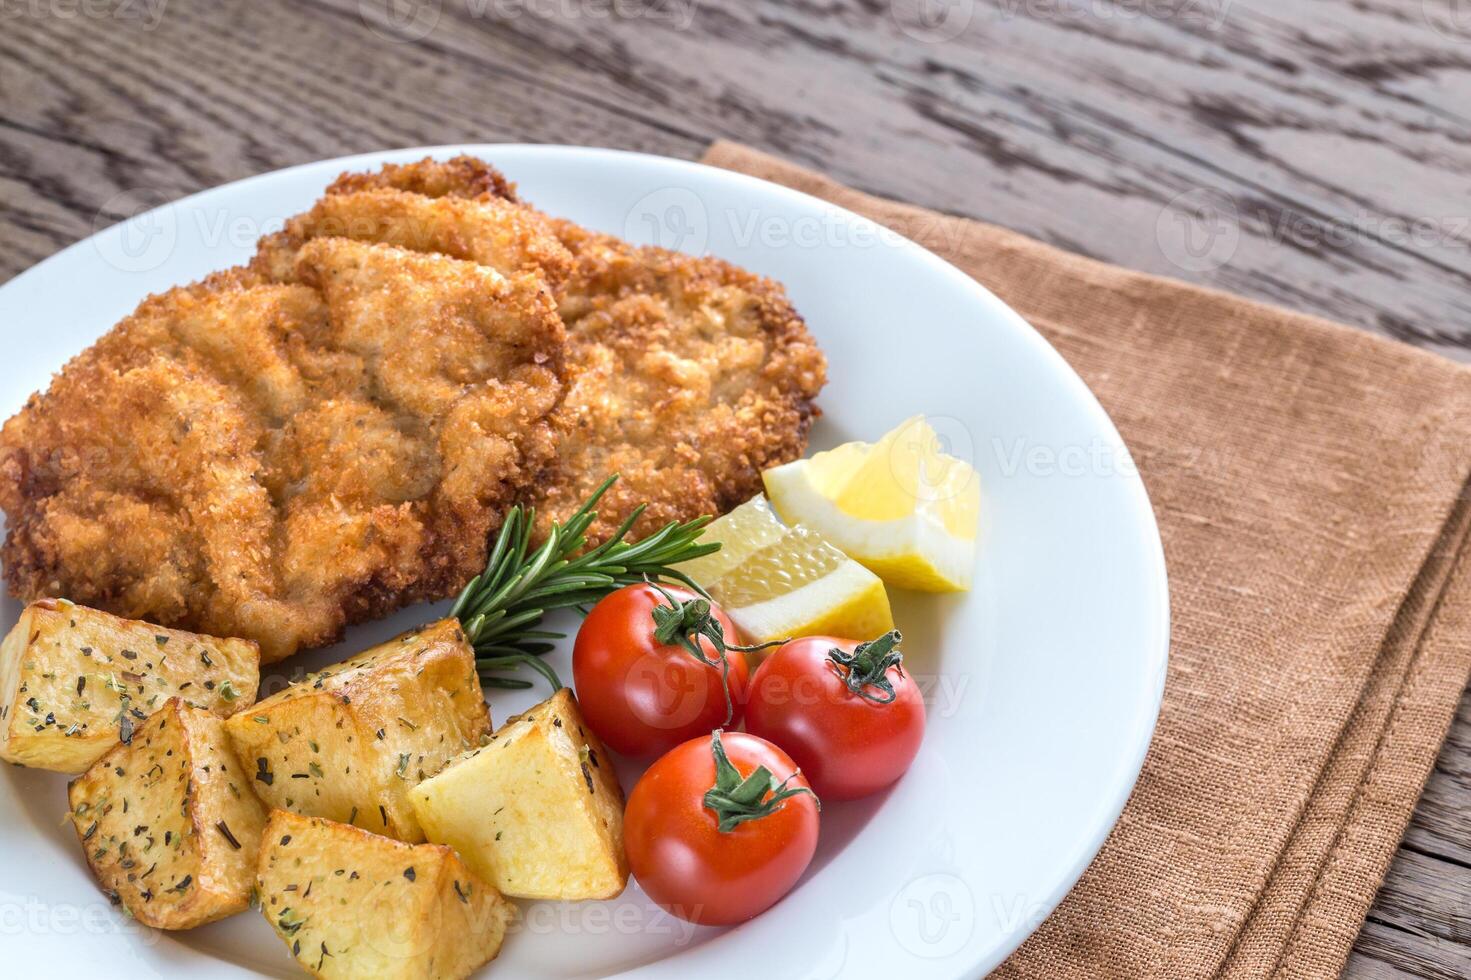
{"x": 720, "y": 864}
{"x": 848, "y": 713}
{"x": 643, "y": 695}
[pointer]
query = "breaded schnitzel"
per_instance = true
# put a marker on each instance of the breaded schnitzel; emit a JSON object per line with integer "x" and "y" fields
{"x": 334, "y": 431}
{"x": 274, "y": 460}
{"x": 491, "y": 231}
{"x": 687, "y": 376}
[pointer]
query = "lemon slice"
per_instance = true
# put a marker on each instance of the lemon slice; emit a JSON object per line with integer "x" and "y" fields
{"x": 901, "y": 506}
{"x": 777, "y": 581}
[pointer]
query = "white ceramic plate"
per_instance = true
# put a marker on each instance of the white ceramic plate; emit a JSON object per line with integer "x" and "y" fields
{"x": 1044, "y": 682}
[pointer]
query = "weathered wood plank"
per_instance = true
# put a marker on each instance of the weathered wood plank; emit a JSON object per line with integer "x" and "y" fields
{"x": 1427, "y": 896}
{"x": 1421, "y": 919}
{"x": 1420, "y": 956}
{"x": 1060, "y": 118}
{"x": 186, "y": 106}
{"x": 1364, "y": 967}
{"x": 1442, "y": 824}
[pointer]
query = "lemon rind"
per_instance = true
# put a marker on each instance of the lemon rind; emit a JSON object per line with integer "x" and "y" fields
{"x": 837, "y": 599}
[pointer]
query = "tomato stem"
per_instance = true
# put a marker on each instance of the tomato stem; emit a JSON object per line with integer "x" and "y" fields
{"x": 735, "y": 799}
{"x": 683, "y": 623}
{"x": 868, "y": 665}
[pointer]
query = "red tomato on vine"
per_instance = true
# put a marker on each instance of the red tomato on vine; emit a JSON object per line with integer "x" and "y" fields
{"x": 720, "y": 828}
{"x": 654, "y": 667}
{"x": 846, "y": 712}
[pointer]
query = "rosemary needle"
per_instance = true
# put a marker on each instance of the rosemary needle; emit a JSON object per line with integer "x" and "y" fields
{"x": 502, "y": 607}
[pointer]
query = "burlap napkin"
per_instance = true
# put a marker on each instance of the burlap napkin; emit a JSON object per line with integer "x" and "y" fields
{"x": 1308, "y": 481}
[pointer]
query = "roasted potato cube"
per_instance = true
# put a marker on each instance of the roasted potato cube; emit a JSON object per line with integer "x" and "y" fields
{"x": 169, "y": 822}
{"x": 74, "y": 680}
{"x": 348, "y": 742}
{"x": 538, "y": 811}
{"x": 353, "y": 904}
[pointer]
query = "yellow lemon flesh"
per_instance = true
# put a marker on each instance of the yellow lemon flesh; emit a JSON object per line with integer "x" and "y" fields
{"x": 778, "y": 581}
{"x": 901, "y": 506}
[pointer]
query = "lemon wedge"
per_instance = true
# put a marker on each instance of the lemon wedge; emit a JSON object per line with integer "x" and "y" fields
{"x": 900, "y": 506}
{"x": 776, "y": 580}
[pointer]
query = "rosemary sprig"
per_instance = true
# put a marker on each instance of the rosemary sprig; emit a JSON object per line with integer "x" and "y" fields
{"x": 502, "y": 607}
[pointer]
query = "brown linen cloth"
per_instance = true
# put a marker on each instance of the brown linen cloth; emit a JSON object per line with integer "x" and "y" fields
{"x": 1308, "y": 480}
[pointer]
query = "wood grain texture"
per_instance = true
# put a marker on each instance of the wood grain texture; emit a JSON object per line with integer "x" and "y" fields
{"x": 1312, "y": 153}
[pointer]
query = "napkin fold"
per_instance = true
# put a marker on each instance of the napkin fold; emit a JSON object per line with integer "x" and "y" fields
{"x": 1310, "y": 483}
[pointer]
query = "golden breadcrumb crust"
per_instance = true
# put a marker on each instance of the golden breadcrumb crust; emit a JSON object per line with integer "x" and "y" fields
{"x": 276, "y": 460}
{"x": 332, "y": 432}
{"x": 506, "y": 236}
{"x": 686, "y": 375}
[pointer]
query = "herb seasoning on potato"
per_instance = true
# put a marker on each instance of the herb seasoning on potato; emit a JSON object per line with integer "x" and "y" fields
{"x": 169, "y": 822}
{"x": 538, "y": 811}
{"x": 74, "y": 681}
{"x": 349, "y": 903}
{"x": 348, "y": 742}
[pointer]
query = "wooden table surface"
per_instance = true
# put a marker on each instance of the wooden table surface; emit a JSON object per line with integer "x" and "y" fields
{"x": 1311, "y": 153}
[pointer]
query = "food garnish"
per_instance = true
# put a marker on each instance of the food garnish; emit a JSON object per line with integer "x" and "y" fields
{"x": 778, "y": 580}
{"x": 654, "y": 668}
{"x": 502, "y": 607}
{"x": 902, "y": 506}
{"x": 720, "y": 828}
{"x": 847, "y": 712}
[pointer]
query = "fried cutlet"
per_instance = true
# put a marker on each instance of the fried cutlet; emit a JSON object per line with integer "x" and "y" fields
{"x": 493, "y": 231}
{"x": 333, "y": 432}
{"x": 687, "y": 376}
{"x": 275, "y": 460}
